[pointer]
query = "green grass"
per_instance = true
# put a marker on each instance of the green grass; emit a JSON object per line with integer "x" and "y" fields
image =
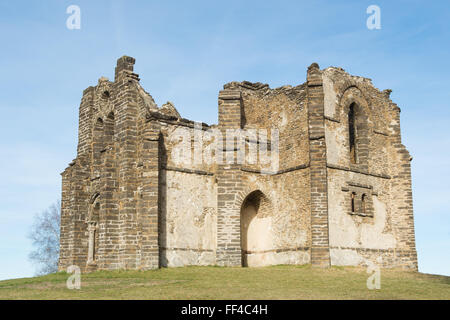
{"x": 277, "y": 282}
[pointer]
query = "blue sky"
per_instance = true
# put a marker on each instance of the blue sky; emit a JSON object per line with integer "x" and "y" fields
{"x": 185, "y": 52}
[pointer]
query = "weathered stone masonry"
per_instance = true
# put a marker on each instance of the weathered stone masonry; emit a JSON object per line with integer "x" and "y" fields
{"x": 341, "y": 194}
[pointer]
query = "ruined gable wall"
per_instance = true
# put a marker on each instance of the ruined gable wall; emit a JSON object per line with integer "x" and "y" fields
{"x": 113, "y": 171}
{"x": 282, "y": 108}
{"x": 355, "y": 237}
{"x": 286, "y": 235}
{"x": 104, "y": 175}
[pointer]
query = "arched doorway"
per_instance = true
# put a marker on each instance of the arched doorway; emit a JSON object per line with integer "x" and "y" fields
{"x": 256, "y": 225}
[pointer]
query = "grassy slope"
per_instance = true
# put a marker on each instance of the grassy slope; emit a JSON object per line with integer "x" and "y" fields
{"x": 278, "y": 282}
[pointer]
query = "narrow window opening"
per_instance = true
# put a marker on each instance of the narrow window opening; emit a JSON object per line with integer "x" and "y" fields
{"x": 363, "y": 203}
{"x": 352, "y": 133}
{"x": 353, "y": 201}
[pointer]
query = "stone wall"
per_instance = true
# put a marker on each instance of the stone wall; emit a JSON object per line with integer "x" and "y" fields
{"x": 339, "y": 192}
{"x": 370, "y": 211}
{"x": 282, "y": 221}
{"x": 187, "y": 203}
{"x": 188, "y": 231}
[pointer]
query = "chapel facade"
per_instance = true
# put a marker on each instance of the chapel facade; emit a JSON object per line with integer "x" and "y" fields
{"x": 317, "y": 175}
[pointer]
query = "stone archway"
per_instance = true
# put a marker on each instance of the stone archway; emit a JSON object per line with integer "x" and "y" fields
{"x": 256, "y": 226}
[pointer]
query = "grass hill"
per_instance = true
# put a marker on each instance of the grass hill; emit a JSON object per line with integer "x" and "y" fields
{"x": 276, "y": 282}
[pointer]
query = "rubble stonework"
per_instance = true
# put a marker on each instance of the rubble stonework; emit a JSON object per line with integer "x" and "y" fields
{"x": 340, "y": 194}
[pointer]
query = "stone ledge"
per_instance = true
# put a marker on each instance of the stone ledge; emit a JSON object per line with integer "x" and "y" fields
{"x": 276, "y": 250}
{"x": 359, "y": 185}
{"x": 391, "y": 250}
{"x": 158, "y": 116}
{"x": 361, "y": 214}
{"x": 187, "y": 249}
{"x": 299, "y": 167}
{"x": 377, "y": 175}
{"x": 184, "y": 170}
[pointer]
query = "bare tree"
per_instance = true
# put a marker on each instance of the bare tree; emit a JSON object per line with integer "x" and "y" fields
{"x": 45, "y": 236}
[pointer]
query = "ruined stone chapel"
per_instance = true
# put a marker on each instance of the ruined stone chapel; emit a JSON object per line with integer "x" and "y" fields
{"x": 340, "y": 195}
